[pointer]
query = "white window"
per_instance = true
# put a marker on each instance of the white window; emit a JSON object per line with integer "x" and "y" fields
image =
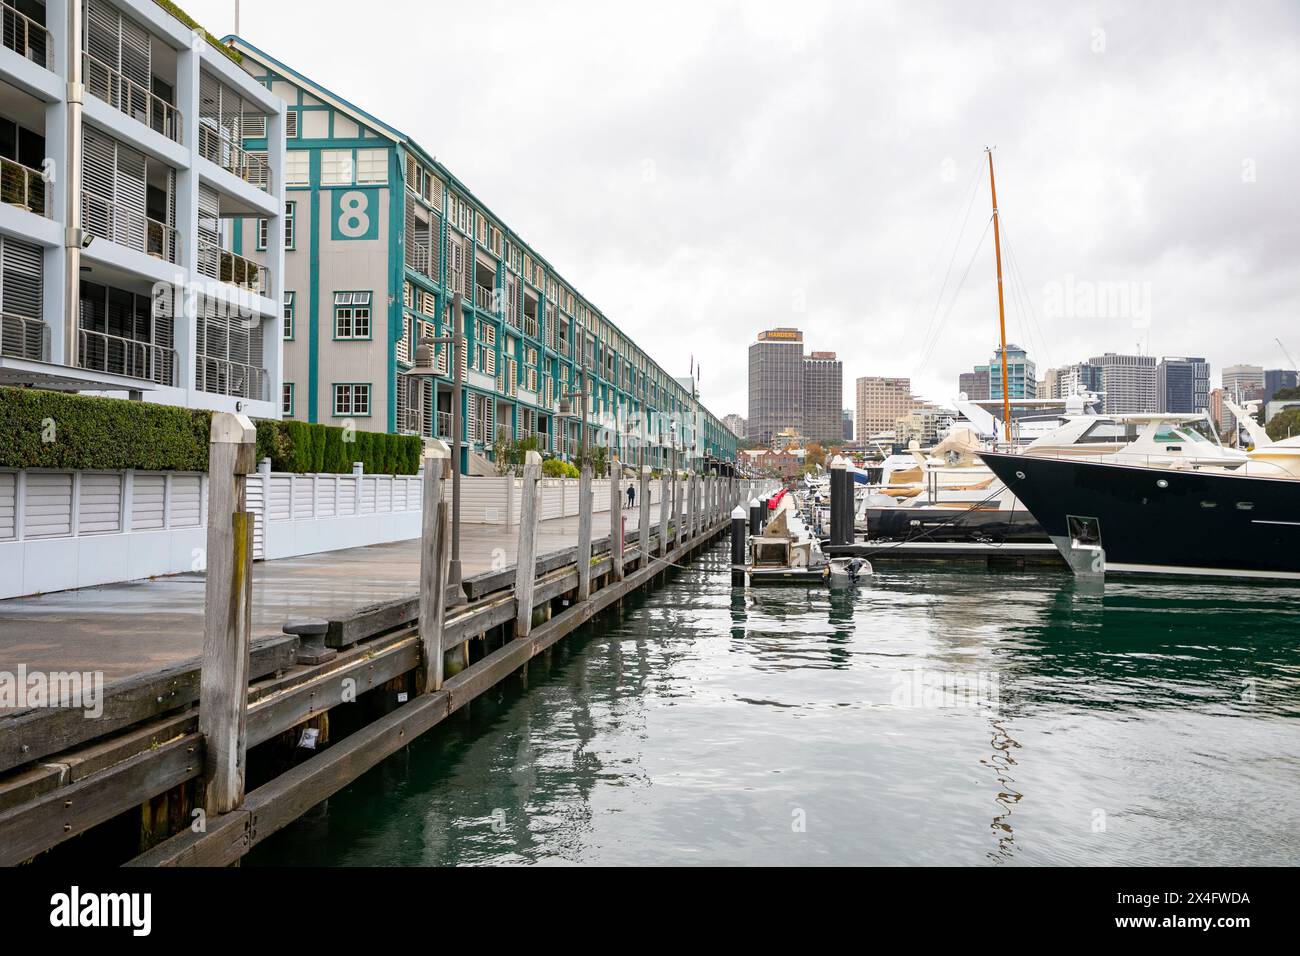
{"x": 336, "y": 168}
{"x": 286, "y": 400}
{"x": 372, "y": 166}
{"x": 352, "y": 399}
{"x": 288, "y": 315}
{"x": 351, "y": 315}
{"x": 297, "y": 167}
{"x": 291, "y": 124}
{"x": 290, "y": 211}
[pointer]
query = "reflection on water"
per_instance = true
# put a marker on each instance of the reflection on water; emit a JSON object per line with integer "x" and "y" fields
{"x": 930, "y": 716}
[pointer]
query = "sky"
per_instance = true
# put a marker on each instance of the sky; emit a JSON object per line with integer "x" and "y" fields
{"x": 701, "y": 171}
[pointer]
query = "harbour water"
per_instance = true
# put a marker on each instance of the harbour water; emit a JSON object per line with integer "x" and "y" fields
{"x": 929, "y": 717}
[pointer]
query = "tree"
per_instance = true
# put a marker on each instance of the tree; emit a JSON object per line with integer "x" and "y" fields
{"x": 1284, "y": 424}
{"x": 815, "y": 455}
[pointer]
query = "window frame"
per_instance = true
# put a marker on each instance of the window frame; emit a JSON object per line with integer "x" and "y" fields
{"x": 289, "y": 315}
{"x": 349, "y": 302}
{"x": 287, "y": 391}
{"x": 351, "y": 387}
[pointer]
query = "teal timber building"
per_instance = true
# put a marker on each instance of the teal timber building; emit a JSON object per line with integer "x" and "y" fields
{"x": 379, "y": 236}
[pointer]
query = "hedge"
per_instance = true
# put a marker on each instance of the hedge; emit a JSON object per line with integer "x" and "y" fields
{"x": 43, "y": 429}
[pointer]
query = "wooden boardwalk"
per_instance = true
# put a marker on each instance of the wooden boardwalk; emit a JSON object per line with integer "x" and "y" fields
{"x": 125, "y": 629}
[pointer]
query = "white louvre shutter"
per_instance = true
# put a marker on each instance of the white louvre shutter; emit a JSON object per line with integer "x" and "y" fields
{"x": 99, "y": 504}
{"x": 47, "y": 511}
{"x": 130, "y": 197}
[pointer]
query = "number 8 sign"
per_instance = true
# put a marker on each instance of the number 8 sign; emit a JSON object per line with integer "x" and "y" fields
{"x": 355, "y": 214}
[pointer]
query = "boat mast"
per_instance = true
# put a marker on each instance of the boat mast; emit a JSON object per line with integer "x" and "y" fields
{"x": 1002, "y": 312}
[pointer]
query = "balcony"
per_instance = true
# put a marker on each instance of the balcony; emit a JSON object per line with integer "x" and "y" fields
{"x": 23, "y": 187}
{"x": 115, "y": 354}
{"x": 128, "y": 96}
{"x": 444, "y": 425}
{"x": 26, "y": 37}
{"x": 418, "y": 257}
{"x": 22, "y": 336}
{"x": 483, "y": 298}
{"x": 128, "y": 227}
{"x": 224, "y": 377}
{"x": 217, "y": 263}
{"x": 216, "y": 147}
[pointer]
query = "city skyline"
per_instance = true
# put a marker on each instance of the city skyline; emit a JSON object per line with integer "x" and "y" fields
{"x": 633, "y": 210}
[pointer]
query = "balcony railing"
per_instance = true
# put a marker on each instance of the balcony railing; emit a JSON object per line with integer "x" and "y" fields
{"x": 22, "y": 336}
{"x": 217, "y": 263}
{"x": 128, "y": 96}
{"x": 418, "y": 256}
{"x": 25, "y": 36}
{"x": 483, "y": 297}
{"x": 444, "y": 424}
{"x": 223, "y": 377}
{"x": 114, "y": 354}
{"x": 23, "y": 187}
{"x": 128, "y": 227}
{"x": 215, "y": 146}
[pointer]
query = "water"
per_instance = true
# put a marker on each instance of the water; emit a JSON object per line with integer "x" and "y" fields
{"x": 1157, "y": 725}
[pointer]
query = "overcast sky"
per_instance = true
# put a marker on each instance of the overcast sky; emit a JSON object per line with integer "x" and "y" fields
{"x": 703, "y": 170}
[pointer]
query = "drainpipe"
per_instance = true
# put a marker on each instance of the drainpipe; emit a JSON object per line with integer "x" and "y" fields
{"x": 72, "y": 192}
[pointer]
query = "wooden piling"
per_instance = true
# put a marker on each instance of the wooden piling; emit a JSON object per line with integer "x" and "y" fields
{"x": 530, "y": 509}
{"x": 616, "y": 516}
{"x": 665, "y": 500}
{"x": 435, "y": 562}
{"x": 584, "y": 532}
{"x": 643, "y": 525}
{"x": 227, "y": 611}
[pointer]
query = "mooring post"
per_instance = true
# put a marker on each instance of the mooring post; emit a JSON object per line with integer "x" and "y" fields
{"x": 435, "y": 562}
{"x": 755, "y": 516}
{"x": 644, "y": 521}
{"x": 584, "y": 532}
{"x": 530, "y": 508}
{"x": 678, "y": 523}
{"x": 616, "y": 517}
{"x": 690, "y": 505}
{"x": 841, "y": 502}
{"x": 665, "y": 499}
{"x": 227, "y": 611}
{"x": 738, "y": 547}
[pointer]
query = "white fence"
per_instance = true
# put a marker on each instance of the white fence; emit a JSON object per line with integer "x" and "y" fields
{"x": 76, "y": 529}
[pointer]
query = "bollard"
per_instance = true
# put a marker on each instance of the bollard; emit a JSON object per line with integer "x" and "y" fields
{"x": 435, "y": 562}
{"x": 530, "y": 509}
{"x": 756, "y": 517}
{"x": 738, "y": 547}
{"x": 643, "y": 525}
{"x": 227, "y": 612}
{"x": 665, "y": 502}
{"x": 841, "y": 502}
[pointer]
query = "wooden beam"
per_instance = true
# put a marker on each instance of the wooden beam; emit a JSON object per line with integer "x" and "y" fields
{"x": 435, "y": 562}
{"x": 583, "y": 557}
{"x": 530, "y": 508}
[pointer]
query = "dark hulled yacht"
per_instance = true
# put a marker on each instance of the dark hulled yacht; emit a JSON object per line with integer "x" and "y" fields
{"x": 1113, "y": 517}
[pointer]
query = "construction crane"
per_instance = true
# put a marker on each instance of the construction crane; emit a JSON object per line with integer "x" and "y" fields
{"x": 1287, "y": 354}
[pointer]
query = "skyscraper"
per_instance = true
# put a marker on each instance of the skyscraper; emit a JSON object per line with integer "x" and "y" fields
{"x": 1182, "y": 385}
{"x": 847, "y": 433}
{"x": 1129, "y": 382}
{"x": 881, "y": 402}
{"x": 1021, "y": 374}
{"x": 775, "y": 384}
{"x": 974, "y": 385}
{"x": 823, "y": 397}
{"x": 1276, "y": 379}
{"x": 1238, "y": 380}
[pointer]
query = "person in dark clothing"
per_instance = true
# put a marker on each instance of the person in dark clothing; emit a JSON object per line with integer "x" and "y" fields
{"x": 631, "y": 495}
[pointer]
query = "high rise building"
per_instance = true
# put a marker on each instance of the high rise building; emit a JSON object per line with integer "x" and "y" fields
{"x": 1239, "y": 380}
{"x": 1021, "y": 374}
{"x": 881, "y": 401}
{"x": 1075, "y": 380}
{"x": 823, "y": 397}
{"x": 736, "y": 423}
{"x": 775, "y": 384}
{"x": 974, "y": 385}
{"x": 127, "y": 184}
{"x": 847, "y": 420}
{"x": 381, "y": 238}
{"x": 1276, "y": 379}
{"x": 1182, "y": 385}
{"x": 1129, "y": 382}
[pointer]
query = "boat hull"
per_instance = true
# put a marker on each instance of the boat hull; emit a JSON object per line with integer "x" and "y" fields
{"x": 951, "y": 524}
{"x": 1131, "y": 519}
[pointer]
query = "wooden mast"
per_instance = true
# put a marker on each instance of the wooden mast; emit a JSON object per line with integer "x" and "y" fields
{"x": 1002, "y": 312}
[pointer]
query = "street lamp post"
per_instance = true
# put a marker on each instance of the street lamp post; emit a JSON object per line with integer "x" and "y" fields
{"x": 424, "y": 368}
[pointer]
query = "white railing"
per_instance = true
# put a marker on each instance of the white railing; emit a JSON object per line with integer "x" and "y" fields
{"x": 26, "y": 37}
{"x": 128, "y": 227}
{"x": 219, "y": 376}
{"x": 117, "y": 355}
{"x": 225, "y": 266}
{"x": 23, "y": 187}
{"x": 418, "y": 257}
{"x": 128, "y": 96}
{"x": 22, "y": 336}
{"x": 483, "y": 297}
{"x": 216, "y": 146}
